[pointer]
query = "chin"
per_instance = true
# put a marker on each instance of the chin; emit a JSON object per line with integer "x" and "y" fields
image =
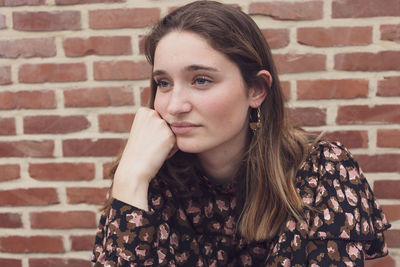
{"x": 189, "y": 146}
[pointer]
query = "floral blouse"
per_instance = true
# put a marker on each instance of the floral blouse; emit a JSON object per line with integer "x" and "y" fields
{"x": 345, "y": 228}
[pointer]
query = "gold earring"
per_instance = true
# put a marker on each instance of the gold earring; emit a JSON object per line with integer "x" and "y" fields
{"x": 256, "y": 125}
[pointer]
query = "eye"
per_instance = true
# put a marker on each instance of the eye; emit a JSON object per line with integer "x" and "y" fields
{"x": 162, "y": 84}
{"x": 201, "y": 81}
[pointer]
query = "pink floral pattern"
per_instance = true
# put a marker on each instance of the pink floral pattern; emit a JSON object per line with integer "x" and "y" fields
{"x": 345, "y": 227}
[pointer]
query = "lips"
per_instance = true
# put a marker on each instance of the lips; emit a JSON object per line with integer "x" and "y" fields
{"x": 181, "y": 128}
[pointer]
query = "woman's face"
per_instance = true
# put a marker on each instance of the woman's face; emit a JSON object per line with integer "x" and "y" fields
{"x": 200, "y": 93}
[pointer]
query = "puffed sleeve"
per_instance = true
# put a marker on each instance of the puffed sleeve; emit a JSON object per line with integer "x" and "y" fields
{"x": 129, "y": 235}
{"x": 347, "y": 223}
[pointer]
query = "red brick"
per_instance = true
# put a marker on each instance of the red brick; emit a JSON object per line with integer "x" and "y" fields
{"x": 379, "y": 163}
{"x": 62, "y": 171}
{"x": 145, "y": 96}
{"x": 28, "y": 100}
{"x": 285, "y": 86}
{"x": 351, "y": 139}
{"x": 22, "y": 2}
{"x": 5, "y": 75}
{"x": 364, "y": 8}
{"x": 118, "y": 123}
{"x": 276, "y": 38}
{"x": 388, "y": 138}
{"x": 62, "y": 220}
{"x": 121, "y": 70}
{"x": 393, "y": 238}
{"x": 334, "y": 36}
{"x": 26, "y": 148}
{"x": 55, "y": 124}
{"x": 52, "y": 72}
{"x": 364, "y": 61}
{"x": 387, "y": 189}
{"x": 306, "y": 10}
{"x": 291, "y": 63}
{"x": 2, "y": 21}
{"x": 99, "y": 97}
{"x": 9, "y": 172}
{"x": 59, "y": 262}
{"x": 392, "y": 212}
{"x": 7, "y": 126}
{"x": 98, "y": 148}
{"x": 389, "y": 86}
{"x": 27, "y": 48}
{"x": 98, "y": 45}
{"x": 390, "y": 32}
{"x": 142, "y": 40}
{"x": 32, "y": 244}
{"x": 123, "y": 18}
{"x": 10, "y": 263}
{"x": 307, "y": 116}
{"x": 107, "y": 169}
{"x": 82, "y": 243}
{"x": 47, "y": 21}
{"x": 386, "y": 261}
{"x": 80, "y": 2}
{"x": 10, "y": 220}
{"x": 87, "y": 195}
{"x": 378, "y": 114}
{"x": 29, "y": 197}
{"x": 332, "y": 89}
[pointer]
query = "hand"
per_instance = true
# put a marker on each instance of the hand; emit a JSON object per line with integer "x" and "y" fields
{"x": 150, "y": 143}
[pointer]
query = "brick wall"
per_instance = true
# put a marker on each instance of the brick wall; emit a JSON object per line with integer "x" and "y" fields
{"x": 72, "y": 75}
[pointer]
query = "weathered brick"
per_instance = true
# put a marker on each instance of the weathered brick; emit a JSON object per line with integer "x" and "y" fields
{"x": 365, "y": 61}
{"x": 145, "y": 96}
{"x": 392, "y": 212}
{"x": 276, "y": 38}
{"x": 363, "y": 114}
{"x": 46, "y": 21}
{"x": 7, "y": 126}
{"x": 121, "y": 70}
{"x": 390, "y": 32}
{"x": 305, "y": 10}
{"x": 10, "y": 220}
{"x": 2, "y": 21}
{"x": 98, "y": 45}
{"x": 388, "y": 138}
{"x": 379, "y": 163}
{"x": 5, "y": 75}
{"x": 55, "y": 124}
{"x": 118, "y": 123}
{"x": 52, "y": 72}
{"x": 27, "y": 100}
{"x": 82, "y": 243}
{"x": 62, "y": 220}
{"x": 386, "y": 261}
{"x": 332, "y": 89}
{"x": 62, "y": 171}
{"x": 80, "y": 2}
{"x": 392, "y": 237}
{"x": 86, "y": 147}
{"x": 292, "y": 63}
{"x": 22, "y": 2}
{"x": 10, "y": 262}
{"x": 123, "y": 18}
{"x": 87, "y": 195}
{"x": 99, "y": 97}
{"x": 9, "y": 172}
{"x": 334, "y": 36}
{"x": 351, "y": 139}
{"x": 389, "y": 86}
{"x": 387, "y": 189}
{"x": 307, "y": 116}
{"x": 27, "y": 148}
{"x": 29, "y": 197}
{"x": 364, "y": 8}
{"x": 27, "y": 48}
{"x": 31, "y": 244}
{"x": 59, "y": 262}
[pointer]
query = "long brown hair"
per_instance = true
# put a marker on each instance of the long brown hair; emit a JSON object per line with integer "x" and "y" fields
{"x": 277, "y": 149}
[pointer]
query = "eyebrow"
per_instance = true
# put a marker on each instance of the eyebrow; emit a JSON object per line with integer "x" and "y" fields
{"x": 188, "y": 68}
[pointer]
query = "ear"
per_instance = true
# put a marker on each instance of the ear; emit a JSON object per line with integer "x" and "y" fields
{"x": 258, "y": 92}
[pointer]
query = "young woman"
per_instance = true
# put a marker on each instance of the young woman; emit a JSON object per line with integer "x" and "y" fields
{"x": 213, "y": 174}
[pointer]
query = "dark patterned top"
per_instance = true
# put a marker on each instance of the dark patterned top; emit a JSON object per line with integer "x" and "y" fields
{"x": 200, "y": 230}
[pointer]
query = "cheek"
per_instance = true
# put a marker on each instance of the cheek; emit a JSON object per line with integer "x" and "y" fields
{"x": 159, "y": 104}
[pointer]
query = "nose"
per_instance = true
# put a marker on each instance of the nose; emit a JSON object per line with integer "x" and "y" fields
{"x": 179, "y": 101}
